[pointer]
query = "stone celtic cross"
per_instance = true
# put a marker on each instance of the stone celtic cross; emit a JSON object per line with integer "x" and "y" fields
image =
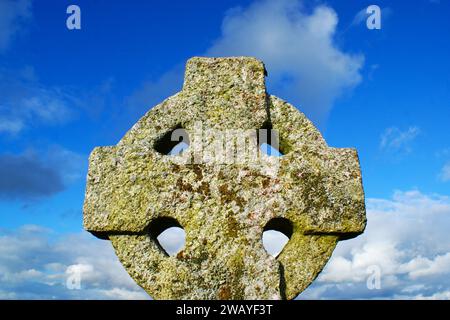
{"x": 136, "y": 190}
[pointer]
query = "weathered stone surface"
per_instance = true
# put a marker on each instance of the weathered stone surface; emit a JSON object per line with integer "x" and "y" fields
{"x": 312, "y": 193}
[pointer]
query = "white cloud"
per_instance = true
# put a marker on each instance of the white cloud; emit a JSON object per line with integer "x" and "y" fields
{"x": 395, "y": 139}
{"x": 123, "y": 294}
{"x": 422, "y": 267}
{"x": 13, "y": 13}
{"x": 444, "y": 295}
{"x": 33, "y": 265}
{"x": 11, "y": 126}
{"x": 24, "y": 102}
{"x": 305, "y": 65}
{"x": 50, "y": 106}
{"x": 152, "y": 92}
{"x": 445, "y": 172}
{"x": 407, "y": 239}
{"x": 71, "y": 165}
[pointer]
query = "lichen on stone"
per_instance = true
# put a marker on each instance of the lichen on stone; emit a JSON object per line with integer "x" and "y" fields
{"x": 224, "y": 208}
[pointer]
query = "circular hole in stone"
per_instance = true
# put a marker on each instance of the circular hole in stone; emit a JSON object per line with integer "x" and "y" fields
{"x": 173, "y": 142}
{"x": 274, "y": 242}
{"x": 270, "y": 150}
{"x": 168, "y": 234}
{"x": 179, "y": 148}
{"x": 269, "y": 140}
{"x": 276, "y": 235}
{"x": 172, "y": 240}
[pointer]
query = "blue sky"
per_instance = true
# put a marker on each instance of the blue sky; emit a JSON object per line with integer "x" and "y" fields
{"x": 385, "y": 92}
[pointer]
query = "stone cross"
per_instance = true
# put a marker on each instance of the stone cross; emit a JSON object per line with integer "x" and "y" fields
{"x": 137, "y": 189}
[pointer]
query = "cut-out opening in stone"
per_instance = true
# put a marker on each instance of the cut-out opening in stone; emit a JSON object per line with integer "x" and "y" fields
{"x": 173, "y": 142}
{"x": 168, "y": 234}
{"x": 178, "y": 149}
{"x": 269, "y": 150}
{"x": 269, "y": 140}
{"x": 276, "y": 235}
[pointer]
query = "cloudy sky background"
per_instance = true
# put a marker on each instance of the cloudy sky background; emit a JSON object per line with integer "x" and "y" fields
{"x": 385, "y": 92}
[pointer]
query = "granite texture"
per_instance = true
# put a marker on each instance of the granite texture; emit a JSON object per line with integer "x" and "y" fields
{"x": 313, "y": 193}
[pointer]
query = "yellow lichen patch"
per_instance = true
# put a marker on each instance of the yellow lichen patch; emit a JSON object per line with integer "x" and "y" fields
{"x": 137, "y": 188}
